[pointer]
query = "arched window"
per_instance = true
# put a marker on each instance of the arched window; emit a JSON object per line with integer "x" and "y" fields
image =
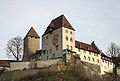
{"x": 67, "y": 47}
{"x": 71, "y": 40}
{"x": 93, "y": 59}
{"x": 84, "y": 51}
{"x": 66, "y": 31}
{"x": 84, "y": 57}
{"x": 97, "y": 61}
{"x": 71, "y": 32}
{"x": 71, "y": 47}
{"x": 67, "y": 38}
{"x": 89, "y": 58}
{"x": 78, "y": 49}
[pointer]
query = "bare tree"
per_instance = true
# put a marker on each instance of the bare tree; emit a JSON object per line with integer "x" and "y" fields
{"x": 15, "y": 48}
{"x": 114, "y": 52}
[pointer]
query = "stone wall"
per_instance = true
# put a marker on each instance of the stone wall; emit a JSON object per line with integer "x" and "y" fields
{"x": 33, "y": 65}
{"x": 93, "y": 67}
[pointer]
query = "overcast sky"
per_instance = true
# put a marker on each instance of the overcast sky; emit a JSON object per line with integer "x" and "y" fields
{"x": 97, "y": 20}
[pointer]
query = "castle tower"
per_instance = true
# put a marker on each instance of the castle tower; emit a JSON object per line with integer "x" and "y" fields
{"x": 31, "y": 44}
{"x": 59, "y": 35}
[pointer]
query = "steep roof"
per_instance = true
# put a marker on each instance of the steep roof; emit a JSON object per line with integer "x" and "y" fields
{"x": 32, "y": 33}
{"x": 85, "y": 46}
{"x": 58, "y": 22}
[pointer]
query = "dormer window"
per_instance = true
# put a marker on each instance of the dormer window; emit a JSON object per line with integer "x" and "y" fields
{"x": 87, "y": 47}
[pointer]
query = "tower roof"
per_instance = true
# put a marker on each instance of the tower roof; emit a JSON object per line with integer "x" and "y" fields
{"x": 58, "y": 22}
{"x": 32, "y": 33}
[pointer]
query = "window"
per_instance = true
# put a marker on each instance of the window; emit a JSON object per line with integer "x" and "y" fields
{"x": 103, "y": 61}
{"x": 84, "y": 51}
{"x": 89, "y": 52}
{"x": 71, "y": 32}
{"x": 67, "y": 38}
{"x": 47, "y": 57}
{"x": 97, "y": 61}
{"x": 53, "y": 55}
{"x": 110, "y": 63}
{"x": 71, "y": 39}
{"x": 66, "y": 31}
{"x": 78, "y": 49}
{"x": 71, "y": 47}
{"x": 47, "y": 52}
{"x": 95, "y": 54}
{"x": 67, "y": 47}
{"x": 84, "y": 57}
{"x": 50, "y": 51}
{"x": 93, "y": 59}
{"x": 56, "y": 47}
{"x": 89, "y": 58}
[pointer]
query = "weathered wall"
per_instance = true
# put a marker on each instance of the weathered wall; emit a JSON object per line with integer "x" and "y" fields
{"x": 49, "y": 44}
{"x": 16, "y": 75}
{"x": 31, "y": 44}
{"x": 19, "y": 65}
{"x": 30, "y": 65}
{"x": 84, "y": 53}
{"x": 93, "y": 67}
{"x": 106, "y": 66}
{"x": 71, "y": 35}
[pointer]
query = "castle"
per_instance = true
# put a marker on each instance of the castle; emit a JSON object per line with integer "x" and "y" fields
{"x": 58, "y": 41}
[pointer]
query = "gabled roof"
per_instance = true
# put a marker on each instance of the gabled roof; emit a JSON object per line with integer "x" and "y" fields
{"x": 85, "y": 46}
{"x": 32, "y": 33}
{"x": 59, "y": 22}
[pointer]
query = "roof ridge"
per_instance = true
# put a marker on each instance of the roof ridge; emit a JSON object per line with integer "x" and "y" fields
{"x": 32, "y": 33}
{"x": 83, "y": 42}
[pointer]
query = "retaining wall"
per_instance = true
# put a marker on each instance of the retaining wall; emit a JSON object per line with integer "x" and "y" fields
{"x": 31, "y": 65}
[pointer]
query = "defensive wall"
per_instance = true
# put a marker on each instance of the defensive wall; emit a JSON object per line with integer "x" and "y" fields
{"x": 33, "y": 65}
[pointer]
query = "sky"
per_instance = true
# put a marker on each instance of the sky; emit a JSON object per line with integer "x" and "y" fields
{"x": 93, "y": 20}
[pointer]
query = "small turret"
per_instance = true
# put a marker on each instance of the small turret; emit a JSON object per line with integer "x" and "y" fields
{"x": 31, "y": 44}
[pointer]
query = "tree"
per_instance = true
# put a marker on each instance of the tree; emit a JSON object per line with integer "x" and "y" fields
{"x": 114, "y": 52}
{"x": 15, "y": 48}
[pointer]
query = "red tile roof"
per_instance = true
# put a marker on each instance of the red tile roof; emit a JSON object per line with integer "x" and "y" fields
{"x": 32, "y": 33}
{"x": 6, "y": 63}
{"x": 59, "y": 22}
{"x": 85, "y": 46}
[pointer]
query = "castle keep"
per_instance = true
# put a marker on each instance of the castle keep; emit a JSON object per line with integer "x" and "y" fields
{"x": 58, "y": 41}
